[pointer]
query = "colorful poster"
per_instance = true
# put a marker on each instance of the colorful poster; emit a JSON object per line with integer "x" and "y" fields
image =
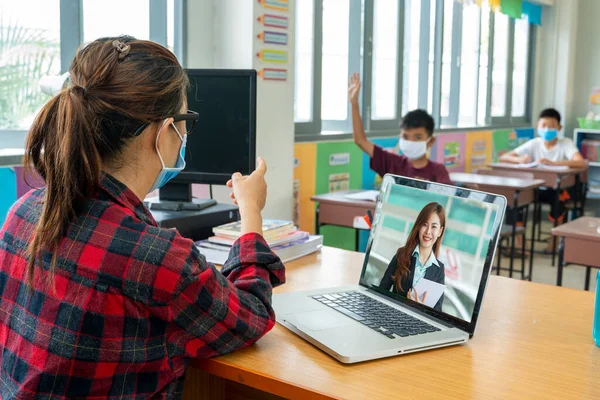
{"x": 280, "y": 5}
{"x": 339, "y": 182}
{"x": 450, "y": 150}
{"x": 501, "y": 144}
{"x": 273, "y": 74}
{"x": 273, "y": 21}
{"x": 478, "y": 150}
{"x": 524, "y": 135}
{"x": 296, "y": 194}
{"x": 340, "y": 175}
{"x": 513, "y": 141}
{"x": 305, "y": 162}
{"x": 269, "y": 37}
{"x": 370, "y": 180}
{"x": 512, "y": 8}
{"x": 274, "y": 56}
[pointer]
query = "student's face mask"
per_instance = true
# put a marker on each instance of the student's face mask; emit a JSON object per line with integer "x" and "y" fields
{"x": 547, "y": 134}
{"x": 413, "y": 150}
{"x": 166, "y": 174}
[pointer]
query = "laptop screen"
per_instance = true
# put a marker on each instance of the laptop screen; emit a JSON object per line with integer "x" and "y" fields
{"x": 433, "y": 245}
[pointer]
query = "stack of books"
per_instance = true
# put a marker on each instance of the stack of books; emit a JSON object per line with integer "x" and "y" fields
{"x": 282, "y": 236}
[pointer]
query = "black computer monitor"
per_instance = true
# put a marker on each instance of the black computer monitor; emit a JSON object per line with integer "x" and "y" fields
{"x": 224, "y": 138}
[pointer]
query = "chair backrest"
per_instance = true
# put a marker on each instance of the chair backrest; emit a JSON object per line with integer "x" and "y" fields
{"x": 506, "y": 174}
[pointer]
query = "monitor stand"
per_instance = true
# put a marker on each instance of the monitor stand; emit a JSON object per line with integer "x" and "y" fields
{"x": 178, "y": 197}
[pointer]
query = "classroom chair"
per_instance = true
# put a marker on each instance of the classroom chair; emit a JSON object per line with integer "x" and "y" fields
{"x": 507, "y": 229}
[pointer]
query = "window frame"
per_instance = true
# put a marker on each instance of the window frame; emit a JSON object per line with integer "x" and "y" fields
{"x": 71, "y": 37}
{"x": 367, "y": 68}
{"x": 354, "y": 64}
{"x": 318, "y": 129}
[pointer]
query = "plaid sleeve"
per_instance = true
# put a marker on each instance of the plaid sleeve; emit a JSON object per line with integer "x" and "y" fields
{"x": 218, "y": 312}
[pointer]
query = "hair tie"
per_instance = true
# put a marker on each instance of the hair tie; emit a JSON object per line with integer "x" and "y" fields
{"x": 122, "y": 48}
{"x": 79, "y": 89}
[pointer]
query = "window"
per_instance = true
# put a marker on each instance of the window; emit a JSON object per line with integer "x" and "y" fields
{"x": 447, "y": 58}
{"x": 520, "y": 68}
{"x": 303, "y": 92}
{"x": 30, "y": 49}
{"x": 484, "y": 70}
{"x": 43, "y": 42}
{"x": 384, "y": 97}
{"x": 412, "y": 46}
{"x": 130, "y": 17}
{"x": 334, "y": 82}
{"x": 500, "y": 65}
{"x": 468, "y": 66}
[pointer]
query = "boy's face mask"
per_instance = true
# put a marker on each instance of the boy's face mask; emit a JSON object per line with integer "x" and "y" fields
{"x": 413, "y": 150}
{"x": 547, "y": 134}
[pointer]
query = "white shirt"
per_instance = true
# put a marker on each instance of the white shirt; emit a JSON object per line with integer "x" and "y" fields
{"x": 563, "y": 150}
{"x": 420, "y": 269}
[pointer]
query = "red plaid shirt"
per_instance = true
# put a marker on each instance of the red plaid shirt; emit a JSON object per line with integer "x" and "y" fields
{"x": 133, "y": 303}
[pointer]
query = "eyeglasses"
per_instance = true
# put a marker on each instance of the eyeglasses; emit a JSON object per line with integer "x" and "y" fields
{"x": 190, "y": 118}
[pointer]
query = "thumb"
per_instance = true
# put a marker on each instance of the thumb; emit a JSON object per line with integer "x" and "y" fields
{"x": 236, "y": 177}
{"x": 261, "y": 166}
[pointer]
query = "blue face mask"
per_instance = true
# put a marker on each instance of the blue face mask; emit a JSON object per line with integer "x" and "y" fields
{"x": 166, "y": 174}
{"x": 547, "y": 134}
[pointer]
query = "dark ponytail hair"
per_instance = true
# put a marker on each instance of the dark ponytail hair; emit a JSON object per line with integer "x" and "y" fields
{"x": 117, "y": 85}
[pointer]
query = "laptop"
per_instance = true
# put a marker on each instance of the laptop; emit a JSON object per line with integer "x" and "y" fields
{"x": 384, "y": 314}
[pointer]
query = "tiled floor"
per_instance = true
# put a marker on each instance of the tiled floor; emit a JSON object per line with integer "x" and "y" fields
{"x": 543, "y": 272}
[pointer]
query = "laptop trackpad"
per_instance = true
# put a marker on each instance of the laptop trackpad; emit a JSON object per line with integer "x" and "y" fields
{"x": 322, "y": 319}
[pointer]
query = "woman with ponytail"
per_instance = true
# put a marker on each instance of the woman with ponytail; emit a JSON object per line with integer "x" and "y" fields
{"x": 96, "y": 300}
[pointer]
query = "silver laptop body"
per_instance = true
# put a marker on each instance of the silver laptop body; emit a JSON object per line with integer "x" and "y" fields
{"x": 345, "y": 322}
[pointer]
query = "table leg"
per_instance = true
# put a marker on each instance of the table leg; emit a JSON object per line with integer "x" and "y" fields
{"x": 561, "y": 253}
{"x": 588, "y": 272}
{"x": 535, "y": 222}
{"x": 514, "y": 232}
{"x": 556, "y": 204}
{"x": 499, "y": 258}
{"x": 523, "y": 244}
{"x": 575, "y": 212}
{"x": 317, "y": 222}
{"x": 539, "y": 219}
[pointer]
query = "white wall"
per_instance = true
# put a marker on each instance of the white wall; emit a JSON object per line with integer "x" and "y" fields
{"x": 555, "y": 75}
{"x": 587, "y": 58}
{"x": 222, "y": 34}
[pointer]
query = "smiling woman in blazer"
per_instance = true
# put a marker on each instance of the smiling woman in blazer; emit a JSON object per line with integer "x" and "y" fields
{"x": 418, "y": 258}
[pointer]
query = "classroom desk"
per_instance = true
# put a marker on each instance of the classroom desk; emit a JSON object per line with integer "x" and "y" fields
{"x": 579, "y": 243}
{"x": 553, "y": 179}
{"x": 336, "y": 209}
{"x": 521, "y": 192}
{"x": 533, "y": 341}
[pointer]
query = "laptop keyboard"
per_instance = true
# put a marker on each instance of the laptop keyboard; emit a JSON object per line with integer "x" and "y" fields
{"x": 376, "y": 315}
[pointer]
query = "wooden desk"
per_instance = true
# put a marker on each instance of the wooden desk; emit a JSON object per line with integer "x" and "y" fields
{"x": 522, "y": 192}
{"x": 579, "y": 243}
{"x": 532, "y": 342}
{"x": 336, "y": 209}
{"x": 555, "y": 180}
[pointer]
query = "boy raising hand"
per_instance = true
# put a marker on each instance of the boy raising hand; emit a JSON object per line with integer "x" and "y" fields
{"x": 416, "y": 137}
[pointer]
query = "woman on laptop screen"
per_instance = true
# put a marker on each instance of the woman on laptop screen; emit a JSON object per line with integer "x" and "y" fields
{"x": 417, "y": 259}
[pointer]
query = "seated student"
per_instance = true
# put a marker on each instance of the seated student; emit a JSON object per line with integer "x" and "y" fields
{"x": 97, "y": 300}
{"x": 548, "y": 149}
{"x": 415, "y": 139}
{"x": 417, "y": 259}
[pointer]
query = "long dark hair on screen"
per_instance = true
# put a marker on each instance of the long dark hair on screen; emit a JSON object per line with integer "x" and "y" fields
{"x": 404, "y": 254}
